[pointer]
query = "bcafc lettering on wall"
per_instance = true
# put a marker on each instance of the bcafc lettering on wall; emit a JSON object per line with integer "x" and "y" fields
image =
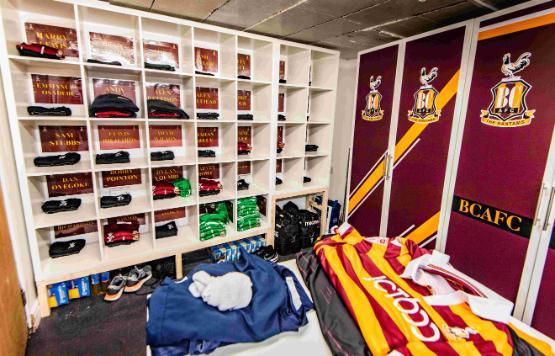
{"x": 503, "y": 219}
{"x": 508, "y": 107}
{"x": 424, "y": 110}
{"x": 373, "y": 110}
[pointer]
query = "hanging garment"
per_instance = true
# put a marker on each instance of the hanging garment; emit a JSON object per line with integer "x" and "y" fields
{"x": 392, "y": 313}
{"x": 338, "y": 327}
{"x": 181, "y": 324}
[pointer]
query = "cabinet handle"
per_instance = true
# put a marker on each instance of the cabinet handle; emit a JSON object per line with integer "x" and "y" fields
{"x": 549, "y": 207}
{"x": 539, "y": 203}
{"x": 387, "y": 165}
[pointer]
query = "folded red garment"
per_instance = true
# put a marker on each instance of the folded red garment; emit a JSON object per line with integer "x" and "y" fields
{"x": 106, "y": 114}
{"x": 164, "y": 114}
{"x": 38, "y": 50}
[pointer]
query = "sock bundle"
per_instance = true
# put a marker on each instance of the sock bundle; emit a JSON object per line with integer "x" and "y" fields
{"x": 248, "y": 214}
{"x": 213, "y": 224}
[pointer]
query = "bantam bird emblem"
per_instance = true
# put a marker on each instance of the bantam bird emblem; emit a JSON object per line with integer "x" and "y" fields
{"x": 508, "y": 107}
{"x": 424, "y": 110}
{"x": 373, "y": 110}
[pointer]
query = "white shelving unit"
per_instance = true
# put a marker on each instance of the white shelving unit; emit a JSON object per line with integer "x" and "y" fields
{"x": 309, "y": 96}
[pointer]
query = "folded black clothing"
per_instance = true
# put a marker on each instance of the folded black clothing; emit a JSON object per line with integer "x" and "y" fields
{"x": 66, "y": 248}
{"x": 162, "y": 156}
{"x": 244, "y": 77}
{"x": 42, "y": 111}
{"x": 310, "y": 148}
{"x": 278, "y": 181}
{"x": 208, "y": 115}
{"x": 282, "y": 81}
{"x": 161, "y": 108}
{"x": 204, "y": 193}
{"x": 112, "y": 103}
{"x": 66, "y": 159}
{"x": 114, "y": 201}
{"x": 281, "y": 117}
{"x": 57, "y": 206}
{"x": 279, "y": 150}
{"x": 242, "y": 184}
{"x": 97, "y": 61}
{"x": 166, "y": 67}
{"x": 249, "y": 117}
{"x": 307, "y": 179}
{"x": 206, "y": 153}
{"x": 166, "y": 230}
{"x": 109, "y": 158}
{"x": 39, "y": 50}
{"x": 204, "y": 73}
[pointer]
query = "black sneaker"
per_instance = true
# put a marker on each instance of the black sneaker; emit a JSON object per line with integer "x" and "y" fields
{"x": 110, "y": 158}
{"x": 136, "y": 278}
{"x": 115, "y": 289}
{"x": 267, "y": 253}
{"x": 66, "y": 248}
{"x": 57, "y": 206}
{"x": 67, "y": 159}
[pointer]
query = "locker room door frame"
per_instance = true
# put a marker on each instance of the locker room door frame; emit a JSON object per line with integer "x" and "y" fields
{"x": 537, "y": 246}
{"x": 459, "y": 103}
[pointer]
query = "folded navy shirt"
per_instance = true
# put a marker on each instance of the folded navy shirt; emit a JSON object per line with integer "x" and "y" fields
{"x": 182, "y": 324}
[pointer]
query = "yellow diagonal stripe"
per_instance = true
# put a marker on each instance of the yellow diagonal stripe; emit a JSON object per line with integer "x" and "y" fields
{"x": 425, "y": 230}
{"x": 446, "y": 94}
{"x": 544, "y": 20}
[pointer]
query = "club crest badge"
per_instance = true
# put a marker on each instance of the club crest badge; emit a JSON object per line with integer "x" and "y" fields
{"x": 373, "y": 110}
{"x": 424, "y": 110}
{"x": 508, "y": 107}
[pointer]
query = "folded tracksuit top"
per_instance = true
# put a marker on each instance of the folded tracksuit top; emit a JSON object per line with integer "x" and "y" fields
{"x": 182, "y": 324}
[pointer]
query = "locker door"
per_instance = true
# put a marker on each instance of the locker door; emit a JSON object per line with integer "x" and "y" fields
{"x": 427, "y": 106}
{"x": 507, "y": 133}
{"x": 374, "y": 102}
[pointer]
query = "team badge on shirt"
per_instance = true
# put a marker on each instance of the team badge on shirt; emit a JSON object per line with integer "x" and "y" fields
{"x": 508, "y": 107}
{"x": 373, "y": 110}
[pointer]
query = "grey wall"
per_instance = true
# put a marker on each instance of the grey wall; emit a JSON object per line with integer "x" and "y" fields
{"x": 342, "y": 129}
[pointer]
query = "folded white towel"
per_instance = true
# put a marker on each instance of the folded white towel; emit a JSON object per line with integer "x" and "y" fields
{"x": 231, "y": 291}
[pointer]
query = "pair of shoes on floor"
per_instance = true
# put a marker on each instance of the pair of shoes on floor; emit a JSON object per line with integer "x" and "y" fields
{"x": 130, "y": 283}
{"x": 267, "y": 253}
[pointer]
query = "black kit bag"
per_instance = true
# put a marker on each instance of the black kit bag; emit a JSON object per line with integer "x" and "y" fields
{"x": 309, "y": 227}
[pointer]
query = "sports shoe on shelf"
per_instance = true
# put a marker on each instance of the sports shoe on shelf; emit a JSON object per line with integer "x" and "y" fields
{"x": 136, "y": 278}
{"x": 267, "y": 253}
{"x": 115, "y": 289}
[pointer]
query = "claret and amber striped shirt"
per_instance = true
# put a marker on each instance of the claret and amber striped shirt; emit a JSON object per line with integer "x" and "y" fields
{"x": 391, "y": 311}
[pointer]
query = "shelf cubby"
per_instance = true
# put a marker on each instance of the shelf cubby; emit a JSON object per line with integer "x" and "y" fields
{"x": 259, "y": 138}
{"x": 175, "y": 89}
{"x": 135, "y": 182}
{"x": 186, "y": 219}
{"x": 258, "y": 177}
{"x": 178, "y": 137}
{"x": 225, "y": 174}
{"x": 140, "y": 247}
{"x": 297, "y": 64}
{"x": 227, "y": 98}
{"x": 292, "y": 174}
{"x": 159, "y": 36}
{"x": 260, "y": 101}
{"x": 225, "y": 44}
{"x": 52, "y": 138}
{"x": 293, "y": 138}
{"x": 322, "y": 64}
{"x": 59, "y": 187}
{"x": 318, "y": 169}
{"x": 320, "y": 135}
{"x": 110, "y": 24}
{"x": 322, "y": 106}
{"x": 226, "y": 148}
{"x": 169, "y": 174}
{"x": 296, "y": 102}
{"x": 261, "y": 55}
{"x": 16, "y": 13}
{"x": 113, "y": 135}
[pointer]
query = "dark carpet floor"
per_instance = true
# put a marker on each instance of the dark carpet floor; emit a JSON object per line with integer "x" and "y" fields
{"x": 90, "y": 326}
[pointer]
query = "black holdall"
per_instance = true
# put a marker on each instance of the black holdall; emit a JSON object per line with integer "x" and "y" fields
{"x": 57, "y": 206}
{"x": 162, "y": 156}
{"x": 114, "y": 201}
{"x": 111, "y": 158}
{"x": 309, "y": 227}
{"x": 34, "y": 110}
{"x": 166, "y": 230}
{"x": 66, "y": 159}
{"x": 287, "y": 233}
